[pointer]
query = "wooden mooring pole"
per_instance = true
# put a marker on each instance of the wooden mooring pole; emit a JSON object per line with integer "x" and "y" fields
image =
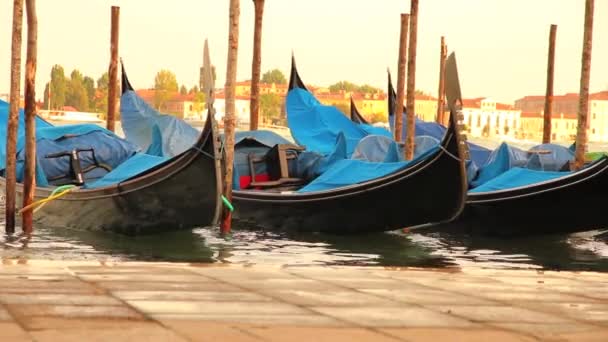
{"x": 113, "y": 70}
{"x": 443, "y": 54}
{"x": 29, "y": 182}
{"x": 256, "y": 65}
{"x": 411, "y": 82}
{"x": 583, "y": 99}
{"x": 229, "y": 117}
{"x": 405, "y": 19}
{"x": 13, "y": 118}
{"x": 549, "y": 93}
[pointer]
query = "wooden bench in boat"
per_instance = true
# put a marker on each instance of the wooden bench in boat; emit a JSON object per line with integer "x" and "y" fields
{"x": 277, "y": 164}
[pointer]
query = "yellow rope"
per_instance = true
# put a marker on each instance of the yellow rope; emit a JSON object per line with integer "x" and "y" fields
{"x": 40, "y": 203}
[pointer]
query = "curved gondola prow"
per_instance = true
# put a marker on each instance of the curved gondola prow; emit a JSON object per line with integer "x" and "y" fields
{"x": 453, "y": 143}
{"x": 355, "y": 116}
{"x": 294, "y": 78}
{"x": 125, "y": 84}
{"x": 392, "y": 97}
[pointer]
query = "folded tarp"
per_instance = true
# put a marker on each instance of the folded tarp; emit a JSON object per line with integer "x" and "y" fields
{"x": 132, "y": 167}
{"x": 517, "y": 177}
{"x": 349, "y": 171}
{"x": 139, "y": 119}
{"x": 317, "y": 126}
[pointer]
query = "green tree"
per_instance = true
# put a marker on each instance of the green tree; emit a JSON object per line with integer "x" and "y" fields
{"x": 343, "y": 86}
{"x": 57, "y": 87}
{"x": 165, "y": 85}
{"x": 270, "y": 107}
{"x": 368, "y": 89}
{"x": 274, "y": 76}
{"x": 101, "y": 95}
{"x": 76, "y": 94}
{"x": 183, "y": 90}
{"x": 89, "y": 86}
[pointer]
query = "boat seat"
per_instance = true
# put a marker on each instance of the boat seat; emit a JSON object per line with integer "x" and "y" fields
{"x": 277, "y": 164}
{"x": 76, "y": 173}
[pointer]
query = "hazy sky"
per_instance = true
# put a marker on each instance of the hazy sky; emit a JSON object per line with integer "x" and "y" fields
{"x": 501, "y": 44}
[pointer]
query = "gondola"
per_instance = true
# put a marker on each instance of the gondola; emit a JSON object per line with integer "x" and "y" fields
{"x": 431, "y": 190}
{"x": 179, "y": 193}
{"x": 523, "y": 201}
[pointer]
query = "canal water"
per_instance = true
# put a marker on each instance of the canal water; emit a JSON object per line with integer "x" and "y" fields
{"x": 577, "y": 251}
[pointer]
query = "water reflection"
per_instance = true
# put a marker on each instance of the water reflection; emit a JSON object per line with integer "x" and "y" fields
{"x": 579, "y": 251}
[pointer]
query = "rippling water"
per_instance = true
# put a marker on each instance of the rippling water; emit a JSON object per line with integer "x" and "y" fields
{"x": 579, "y": 251}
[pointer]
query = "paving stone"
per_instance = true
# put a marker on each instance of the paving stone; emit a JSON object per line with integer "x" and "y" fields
{"x": 148, "y": 334}
{"x": 587, "y": 336}
{"x": 176, "y": 278}
{"x": 45, "y": 286}
{"x": 233, "y": 273}
{"x": 4, "y": 315}
{"x": 535, "y": 296}
{"x": 427, "y": 297}
{"x": 258, "y": 320}
{"x": 55, "y": 322}
{"x": 211, "y": 296}
{"x": 539, "y": 280}
{"x": 592, "y": 312}
{"x": 543, "y": 330}
{"x": 294, "y": 284}
{"x": 65, "y": 299}
{"x": 12, "y": 332}
{"x": 74, "y": 311}
{"x": 410, "y": 316}
{"x": 366, "y": 283}
{"x": 166, "y": 286}
{"x": 318, "y": 334}
{"x": 329, "y": 298}
{"x": 504, "y": 314}
{"x": 455, "y": 335}
{"x": 210, "y": 332}
{"x": 150, "y": 269}
{"x": 210, "y": 308}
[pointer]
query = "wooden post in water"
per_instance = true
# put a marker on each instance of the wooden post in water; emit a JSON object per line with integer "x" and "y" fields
{"x": 549, "y": 93}
{"x": 411, "y": 82}
{"x": 29, "y": 181}
{"x": 13, "y": 118}
{"x": 405, "y": 19}
{"x": 441, "y": 92}
{"x": 229, "y": 117}
{"x": 256, "y": 65}
{"x": 113, "y": 70}
{"x": 583, "y": 99}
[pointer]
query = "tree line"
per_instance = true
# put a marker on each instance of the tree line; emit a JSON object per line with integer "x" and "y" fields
{"x": 78, "y": 91}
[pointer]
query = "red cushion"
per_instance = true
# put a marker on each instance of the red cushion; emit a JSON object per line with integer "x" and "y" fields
{"x": 244, "y": 181}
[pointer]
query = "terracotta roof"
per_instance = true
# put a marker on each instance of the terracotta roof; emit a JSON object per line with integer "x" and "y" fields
{"x": 504, "y": 106}
{"x": 472, "y": 103}
{"x": 602, "y": 95}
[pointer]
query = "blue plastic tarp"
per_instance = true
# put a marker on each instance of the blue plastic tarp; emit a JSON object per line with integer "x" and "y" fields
{"x": 556, "y": 158}
{"x": 132, "y": 167}
{"x": 317, "y": 126}
{"x": 139, "y": 119}
{"x": 501, "y": 160}
{"x": 349, "y": 171}
{"x": 107, "y": 148}
{"x": 517, "y": 177}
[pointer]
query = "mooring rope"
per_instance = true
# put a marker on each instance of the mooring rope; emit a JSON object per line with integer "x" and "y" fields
{"x": 60, "y": 191}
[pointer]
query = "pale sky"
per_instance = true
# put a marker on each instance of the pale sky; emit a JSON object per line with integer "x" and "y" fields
{"x": 501, "y": 45}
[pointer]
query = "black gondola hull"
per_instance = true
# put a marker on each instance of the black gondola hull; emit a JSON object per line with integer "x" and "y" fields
{"x": 429, "y": 192}
{"x": 573, "y": 203}
{"x": 181, "y": 193}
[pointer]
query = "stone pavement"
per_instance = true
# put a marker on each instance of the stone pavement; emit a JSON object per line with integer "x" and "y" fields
{"x": 93, "y": 301}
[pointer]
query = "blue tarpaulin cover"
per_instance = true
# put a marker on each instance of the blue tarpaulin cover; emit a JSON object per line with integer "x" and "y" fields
{"x": 109, "y": 149}
{"x": 349, "y": 171}
{"x": 317, "y": 126}
{"x": 139, "y": 119}
{"x": 133, "y": 166}
{"x": 517, "y": 177}
{"x": 555, "y": 160}
{"x": 479, "y": 154}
